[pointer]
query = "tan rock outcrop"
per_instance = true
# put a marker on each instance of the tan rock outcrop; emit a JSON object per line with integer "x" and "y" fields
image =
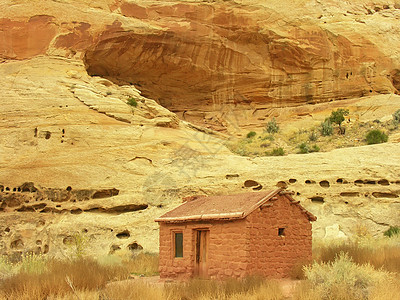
{"x": 66, "y": 136}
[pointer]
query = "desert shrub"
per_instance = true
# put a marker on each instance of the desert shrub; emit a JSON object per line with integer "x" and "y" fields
{"x": 337, "y": 116}
{"x": 313, "y": 136}
{"x": 268, "y": 137}
{"x": 33, "y": 263}
{"x": 7, "y": 268}
{"x": 326, "y": 127}
{"x": 78, "y": 243}
{"x": 132, "y": 102}
{"x": 396, "y": 117}
{"x": 376, "y": 137}
{"x": 277, "y": 152}
{"x": 392, "y": 231}
{"x": 305, "y": 148}
{"x": 344, "y": 277}
{"x": 272, "y": 126}
{"x": 251, "y": 134}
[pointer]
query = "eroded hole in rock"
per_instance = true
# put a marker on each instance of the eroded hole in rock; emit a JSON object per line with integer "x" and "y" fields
{"x": 369, "y": 182}
{"x": 324, "y": 183}
{"x": 384, "y": 195}
{"x": 7, "y": 229}
{"x": 17, "y": 244}
{"x": 69, "y": 188}
{"x": 84, "y": 230}
{"x": 68, "y": 240}
{"x": 46, "y": 249}
{"x": 47, "y": 135}
{"x": 160, "y": 206}
{"x": 39, "y": 206}
{"x": 28, "y": 187}
{"x": 135, "y": 246}
{"x": 76, "y": 211}
{"x": 24, "y": 208}
{"x": 258, "y": 188}
{"x": 346, "y": 202}
{"x": 7, "y": 189}
{"x": 297, "y": 194}
{"x": 340, "y": 180}
{"x": 250, "y": 183}
{"x": 359, "y": 181}
{"x": 14, "y": 189}
{"x": 38, "y": 242}
{"x": 114, "y": 248}
{"x": 107, "y": 193}
{"x": 281, "y": 184}
{"x": 230, "y": 176}
{"x": 383, "y": 182}
{"x": 317, "y": 199}
{"x": 309, "y": 181}
{"x": 292, "y": 180}
{"x": 123, "y": 235}
{"x": 349, "y": 194}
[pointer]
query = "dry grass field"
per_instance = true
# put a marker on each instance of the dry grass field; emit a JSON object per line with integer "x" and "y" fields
{"x": 363, "y": 269}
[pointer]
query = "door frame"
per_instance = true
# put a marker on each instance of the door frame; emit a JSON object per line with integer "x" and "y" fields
{"x": 201, "y": 251}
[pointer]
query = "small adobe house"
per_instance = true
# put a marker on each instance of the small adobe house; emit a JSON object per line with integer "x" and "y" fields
{"x": 258, "y": 233}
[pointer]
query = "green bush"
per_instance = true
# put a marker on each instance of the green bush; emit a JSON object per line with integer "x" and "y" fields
{"x": 376, "y": 137}
{"x": 326, "y": 127}
{"x": 392, "y": 231}
{"x": 132, "y": 102}
{"x": 314, "y": 148}
{"x": 277, "y": 152}
{"x": 268, "y": 137}
{"x": 305, "y": 148}
{"x": 337, "y": 116}
{"x": 396, "y": 117}
{"x": 272, "y": 126}
{"x": 343, "y": 275}
{"x": 313, "y": 136}
{"x": 251, "y": 134}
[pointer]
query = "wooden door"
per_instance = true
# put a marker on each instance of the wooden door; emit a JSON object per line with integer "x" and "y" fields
{"x": 201, "y": 257}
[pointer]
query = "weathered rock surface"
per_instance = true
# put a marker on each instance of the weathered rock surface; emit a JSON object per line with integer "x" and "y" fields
{"x": 77, "y": 160}
{"x": 205, "y": 59}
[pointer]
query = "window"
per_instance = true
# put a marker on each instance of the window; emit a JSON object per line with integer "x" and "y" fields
{"x": 281, "y": 231}
{"x": 178, "y": 239}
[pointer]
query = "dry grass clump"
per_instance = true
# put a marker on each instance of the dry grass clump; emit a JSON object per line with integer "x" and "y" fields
{"x": 247, "y": 288}
{"x": 143, "y": 264}
{"x": 381, "y": 255}
{"x": 132, "y": 290}
{"x": 60, "y": 278}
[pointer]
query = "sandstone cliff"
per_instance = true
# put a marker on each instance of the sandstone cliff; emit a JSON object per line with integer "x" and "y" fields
{"x": 97, "y": 166}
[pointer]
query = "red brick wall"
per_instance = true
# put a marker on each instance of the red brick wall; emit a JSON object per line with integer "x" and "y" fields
{"x": 228, "y": 249}
{"x": 242, "y": 247}
{"x": 273, "y": 255}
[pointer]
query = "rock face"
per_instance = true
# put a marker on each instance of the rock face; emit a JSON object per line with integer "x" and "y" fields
{"x": 78, "y": 161}
{"x": 211, "y": 54}
{"x": 203, "y": 59}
